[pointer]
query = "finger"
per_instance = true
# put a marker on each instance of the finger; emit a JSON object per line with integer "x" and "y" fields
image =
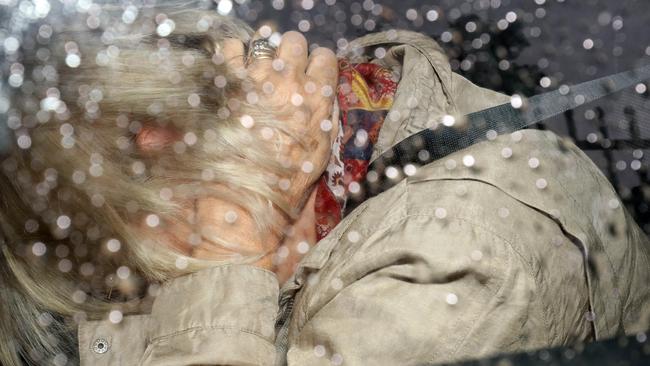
{"x": 323, "y": 67}
{"x": 233, "y": 53}
{"x": 259, "y": 68}
{"x": 293, "y": 52}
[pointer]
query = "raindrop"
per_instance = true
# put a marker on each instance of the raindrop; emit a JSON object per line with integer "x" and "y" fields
{"x": 432, "y": 15}
{"x": 354, "y": 187}
{"x": 297, "y": 99}
{"x": 440, "y": 213}
{"x": 448, "y": 120}
{"x": 152, "y": 220}
{"x": 284, "y": 184}
{"x": 468, "y": 161}
{"x": 63, "y": 222}
{"x": 115, "y": 316}
{"x": 224, "y": 7}
{"x": 194, "y": 100}
{"x": 166, "y": 28}
{"x": 247, "y": 121}
{"x": 302, "y": 247}
{"x": 265, "y": 31}
{"x": 409, "y": 169}
{"x": 181, "y": 263}
{"x": 39, "y": 249}
{"x": 11, "y": 45}
{"x": 327, "y": 91}
{"x": 65, "y": 265}
{"x": 24, "y": 142}
{"x": 113, "y": 245}
{"x": 354, "y": 236}
{"x": 79, "y": 296}
{"x": 450, "y": 164}
{"x": 545, "y": 82}
{"x": 283, "y": 252}
{"x": 73, "y": 60}
{"x": 326, "y": 125}
{"x": 319, "y": 351}
{"x": 451, "y": 299}
{"x": 267, "y": 133}
{"x": 123, "y": 272}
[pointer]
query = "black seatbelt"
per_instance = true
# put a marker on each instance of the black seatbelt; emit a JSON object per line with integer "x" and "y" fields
{"x": 479, "y": 126}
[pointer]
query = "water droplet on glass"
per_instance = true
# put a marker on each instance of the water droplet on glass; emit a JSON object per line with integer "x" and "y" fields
{"x": 152, "y": 220}
{"x": 392, "y": 172}
{"x": 354, "y": 236}
{"x": 451, "y": 299}
{"x": 38, "y": 249}
{"x": 113, "y": 245}
{"x": 302, "y": 247}
{"x": 319, "y": 351}
{"x": 468, "y": 161}
{"x": 448, "y": 120}
{"x": 231, "y": 217}
{"x": 247, "y": 121}
{"x": 115, "y": 316}
{"x": 440, "y": 213}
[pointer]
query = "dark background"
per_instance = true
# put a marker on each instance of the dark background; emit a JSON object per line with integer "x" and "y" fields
{"x": 526, "y": 47}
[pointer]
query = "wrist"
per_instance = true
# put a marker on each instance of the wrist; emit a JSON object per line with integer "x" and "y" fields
{"x": 227, "y": 230}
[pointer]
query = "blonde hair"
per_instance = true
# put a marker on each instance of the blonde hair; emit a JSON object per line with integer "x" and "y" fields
{"x": 74, "y": 183}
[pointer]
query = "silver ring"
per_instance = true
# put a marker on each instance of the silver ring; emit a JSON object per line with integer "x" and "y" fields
{"x": 261, "y": 49}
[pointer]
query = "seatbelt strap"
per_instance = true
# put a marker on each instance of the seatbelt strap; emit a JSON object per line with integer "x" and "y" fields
{"x": 446, "y": 138}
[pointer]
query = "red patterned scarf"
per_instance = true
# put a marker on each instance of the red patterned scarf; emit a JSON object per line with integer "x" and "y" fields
{"x": 365, "y": 94}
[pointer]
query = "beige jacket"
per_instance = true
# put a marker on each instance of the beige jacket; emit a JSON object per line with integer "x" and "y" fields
{"x": 529, "y": 247}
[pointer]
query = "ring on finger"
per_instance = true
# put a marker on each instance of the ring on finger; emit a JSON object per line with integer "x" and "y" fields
{"x": 260, "y": 49}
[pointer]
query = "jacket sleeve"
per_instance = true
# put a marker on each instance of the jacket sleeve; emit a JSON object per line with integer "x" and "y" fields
{"x": 223, "y": 315}
{"x": 429, "y": 291}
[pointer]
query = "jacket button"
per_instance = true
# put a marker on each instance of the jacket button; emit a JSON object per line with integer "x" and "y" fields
{"x": 100, "y": 345}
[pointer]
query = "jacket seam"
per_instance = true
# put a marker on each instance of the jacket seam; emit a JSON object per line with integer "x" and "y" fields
{"x": 208, "y": 328}
{"x": 528, "y": 263}
{"x": 529, "y": 269}
{"x": 493, "y": 300}
{"x": 479, "y": 315}
{"x": 157, "y": 340}
{"x": 585, "y": 252}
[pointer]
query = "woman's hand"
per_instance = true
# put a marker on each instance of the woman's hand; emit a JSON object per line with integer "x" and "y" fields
{"x": 298, "y": 89}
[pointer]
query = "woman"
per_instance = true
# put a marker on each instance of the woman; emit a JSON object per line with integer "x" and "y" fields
{"x": 162, "y": 185}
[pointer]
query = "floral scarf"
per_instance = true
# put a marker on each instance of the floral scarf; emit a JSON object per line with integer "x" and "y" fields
{"x": 365, "y": 94}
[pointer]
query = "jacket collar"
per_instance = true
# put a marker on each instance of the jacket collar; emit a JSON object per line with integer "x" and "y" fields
{"x": 421, "y": 47}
